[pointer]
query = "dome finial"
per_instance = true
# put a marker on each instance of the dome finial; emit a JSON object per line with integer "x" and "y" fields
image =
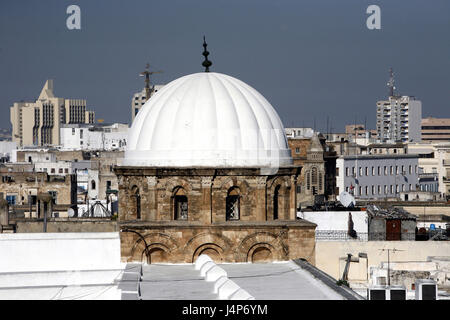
{"x": 206, "y": 63}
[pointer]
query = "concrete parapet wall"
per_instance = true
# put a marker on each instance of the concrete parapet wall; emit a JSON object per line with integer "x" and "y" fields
{"x": 24, "y": 252}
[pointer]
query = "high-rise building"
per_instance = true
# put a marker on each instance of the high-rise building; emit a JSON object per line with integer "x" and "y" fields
{"x": 140, "y": 98}
{"x": 399, "y": 118}
{"x": 436, "y": 129}
{"x": 38, "y": 123}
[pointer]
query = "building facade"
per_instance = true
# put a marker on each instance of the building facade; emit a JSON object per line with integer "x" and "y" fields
{"x": 399, "y": 119}
{"x": 436, "y": 130}
{"x": 377, "y": 176}
{"x": 140, "y": 98}
{"x": 38, "y": 123}
{"x": 94, "y": 136}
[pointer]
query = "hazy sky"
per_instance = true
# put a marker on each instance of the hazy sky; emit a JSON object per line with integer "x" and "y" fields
{"x": 310, "y": 59}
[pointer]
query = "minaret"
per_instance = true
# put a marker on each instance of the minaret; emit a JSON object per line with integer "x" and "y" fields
{"x": 390, "y": 83}
{"x": 206, "y": 63}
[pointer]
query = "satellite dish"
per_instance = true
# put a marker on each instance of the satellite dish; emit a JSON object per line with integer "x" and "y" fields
{"x": 71, "y": 213}
{"x": 347, "y": 199}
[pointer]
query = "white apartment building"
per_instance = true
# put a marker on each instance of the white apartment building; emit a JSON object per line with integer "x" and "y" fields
{"x": 399, "y": 119}
{"x": 94, "y": 136}
{"x": 434, "y": 158}
{"x": 377, "y": 176}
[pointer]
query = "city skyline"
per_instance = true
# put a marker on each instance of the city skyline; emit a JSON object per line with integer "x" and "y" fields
{"x": 311, "y": 60}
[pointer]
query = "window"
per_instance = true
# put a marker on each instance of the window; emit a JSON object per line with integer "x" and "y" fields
{"x": 379, "y": 170}
{"x": 367, "y": 171}
{"x": 360, "y": 171}
{"x": 373, "y": 171}
{"x": 396, "y": 169}
{"x": 11, "y": 199}
{"x": 391, "y": 170}
{"x": 232, "y": 204}
{"x": 367, "y": 190}
{"x": 66, "y": 170}
{"x": 60, "y": 170}
{"x": 379, "y": 189}
{"x": 53, "y": 170}
{"x": 137, "y": 198}
{"x": 337, "y": 172}
{"x": 410, "y": 169}
{"x": 81, "y": 133}
{"x": 385, "y": 189}
{"x": 373, "y": 189}
{"x": 385, "y": 170}
{"x": 299, "y": 189}
{"x": 297, "y": 150}
{"x": 353, "y": 171}
{"x": 276, "y": 196}
{"x": 108, "y": 185}
{"x": 392, "y": 189}
{"x": 346, "y": 171}
{"x": 180, "y": 204}
{"x": 93, "y": 185}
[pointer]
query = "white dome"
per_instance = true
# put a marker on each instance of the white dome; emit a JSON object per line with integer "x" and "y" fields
{"x": 207, "y": 120}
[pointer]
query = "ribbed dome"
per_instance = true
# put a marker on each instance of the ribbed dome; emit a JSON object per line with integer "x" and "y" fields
{"x": 207, "y": 120}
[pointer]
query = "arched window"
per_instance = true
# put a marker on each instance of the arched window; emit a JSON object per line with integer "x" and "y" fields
{"x": 137, "y": 197}
{"x": 180, "y": 204}
{"x": 276, "y": 197}
{"x": 314, "y": 176}
{"x": 308, "y": 180}
{"x": 233, "y": 204}
{"x": 92, "y": 185}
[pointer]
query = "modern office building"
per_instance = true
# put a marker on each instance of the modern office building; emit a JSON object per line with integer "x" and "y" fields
{"x": 436, "y": 129}
{"x": 38, "y": 123}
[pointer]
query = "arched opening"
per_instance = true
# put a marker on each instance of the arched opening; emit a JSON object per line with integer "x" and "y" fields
{"x": 233, "y": 204}
{"x": 213, "y": 254}
{"x": 261, "y": 255}
{"x": 137, "y": 201}
{"x": 276, "y": 200}
{"x": 180, "y": 204}
{"x": 157, "y": 255}
{"x": 93, "y": 185}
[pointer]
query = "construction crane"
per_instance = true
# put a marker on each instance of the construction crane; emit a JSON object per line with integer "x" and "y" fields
{"x": 147, "y": 74}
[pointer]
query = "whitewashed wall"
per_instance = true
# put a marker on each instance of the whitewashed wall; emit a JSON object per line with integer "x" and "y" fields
{"x": 21, "y": 252}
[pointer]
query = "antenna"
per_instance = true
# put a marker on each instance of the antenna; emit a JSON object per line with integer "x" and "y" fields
{"x": 388, "y": 274}
{"x": 391, "y": 83}
{"x": 147, "y": 74}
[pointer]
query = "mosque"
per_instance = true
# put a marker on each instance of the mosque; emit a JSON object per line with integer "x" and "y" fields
{"x": 208, "y": 169}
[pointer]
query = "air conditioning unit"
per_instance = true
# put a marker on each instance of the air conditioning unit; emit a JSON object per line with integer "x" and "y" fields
{"x": 386, "y": 293}
{"x": 397, "y": 293}
{"x": 426, "y": 289}
{"x": 377, "y": 293}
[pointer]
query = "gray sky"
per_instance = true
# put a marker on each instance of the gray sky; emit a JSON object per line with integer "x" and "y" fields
{"x": 309, "y": 58}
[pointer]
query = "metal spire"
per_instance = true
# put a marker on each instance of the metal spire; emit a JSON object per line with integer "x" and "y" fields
{"x": 147, "y": 74}
{"x": 206, "y": 63}
{"x": 391, "y": 82}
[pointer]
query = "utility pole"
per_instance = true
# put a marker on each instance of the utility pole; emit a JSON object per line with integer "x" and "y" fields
{"x": 388, "y": 270}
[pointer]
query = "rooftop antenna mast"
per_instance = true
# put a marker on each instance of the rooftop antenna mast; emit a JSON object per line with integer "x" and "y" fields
{"x": 205, "y": 53}
{"x": 147, "y": 73}
{"x": 391, "y": 83}
{"x": 388, "y": 273}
